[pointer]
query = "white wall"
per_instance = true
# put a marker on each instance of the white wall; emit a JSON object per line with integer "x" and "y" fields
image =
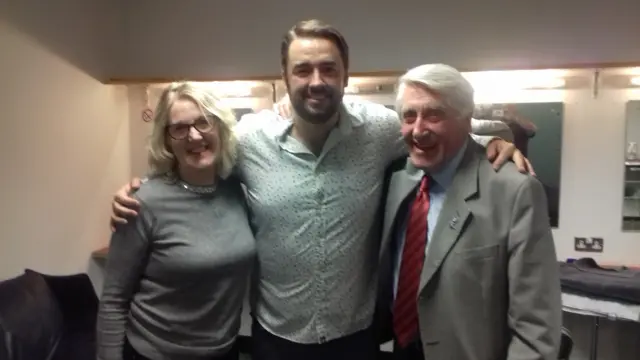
{"x": 64, "y": 146}
{"x": 139, "y": 129}
{"x": 241, "y": 38}
{"x": 593, "y": 174}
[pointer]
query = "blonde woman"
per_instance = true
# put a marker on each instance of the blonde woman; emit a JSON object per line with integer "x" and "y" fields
{"x": 177, "y": 274}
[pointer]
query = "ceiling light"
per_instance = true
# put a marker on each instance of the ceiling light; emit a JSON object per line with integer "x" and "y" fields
{"x": 517, "y": 80}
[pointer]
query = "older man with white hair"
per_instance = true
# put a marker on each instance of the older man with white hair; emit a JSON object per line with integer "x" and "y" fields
{"x": 470, "y": 263}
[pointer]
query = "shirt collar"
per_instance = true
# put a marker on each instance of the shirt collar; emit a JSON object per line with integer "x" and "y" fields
{"x": 348, "y": 120}
{"x": 444, "y": 176}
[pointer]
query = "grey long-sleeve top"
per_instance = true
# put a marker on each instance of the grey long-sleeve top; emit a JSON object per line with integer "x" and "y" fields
{"x": 177, "y": 274}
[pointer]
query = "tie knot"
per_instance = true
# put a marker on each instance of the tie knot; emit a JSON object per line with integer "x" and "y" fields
{"x": 424, "y": 184}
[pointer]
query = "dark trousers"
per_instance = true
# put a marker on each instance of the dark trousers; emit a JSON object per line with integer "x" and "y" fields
{"x": 129, "y": 353}
{"x": 266, "y": 346}
{"x": 413, "y": 351}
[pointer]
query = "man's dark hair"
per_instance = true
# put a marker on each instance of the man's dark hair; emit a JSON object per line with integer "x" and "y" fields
{"x": 315, "y": 29}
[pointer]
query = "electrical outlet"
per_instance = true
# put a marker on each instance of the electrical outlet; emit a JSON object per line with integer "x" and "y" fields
{"x": 590, "y": 244}
{"x": 597, "y": 244}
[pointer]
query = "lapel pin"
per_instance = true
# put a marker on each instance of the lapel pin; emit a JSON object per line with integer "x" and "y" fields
{"x": 453, "y": 223}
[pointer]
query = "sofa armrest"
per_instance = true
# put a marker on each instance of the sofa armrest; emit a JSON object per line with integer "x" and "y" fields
{"x": 30, "y": 320}
{"x": 76, "y": 299}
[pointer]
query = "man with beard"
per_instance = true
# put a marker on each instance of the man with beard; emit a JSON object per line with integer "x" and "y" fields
{"x": 314, "y": 185}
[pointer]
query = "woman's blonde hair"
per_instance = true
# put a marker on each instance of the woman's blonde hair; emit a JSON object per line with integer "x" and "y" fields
{"x": 162, "y": 162}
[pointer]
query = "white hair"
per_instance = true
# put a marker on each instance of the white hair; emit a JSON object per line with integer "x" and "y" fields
{"x": 456, "y": 91}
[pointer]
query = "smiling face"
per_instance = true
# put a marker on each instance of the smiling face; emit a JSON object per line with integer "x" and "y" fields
{"x": 192, "y": 138}
{"x": 315, "y": 76}
{"x": 431, "y": 131}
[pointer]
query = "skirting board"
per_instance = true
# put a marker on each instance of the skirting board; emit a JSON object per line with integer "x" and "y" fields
{"x": 244, "y": 344}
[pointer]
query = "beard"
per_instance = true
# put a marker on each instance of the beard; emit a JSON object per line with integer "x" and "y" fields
{"x": 315, "y": 104}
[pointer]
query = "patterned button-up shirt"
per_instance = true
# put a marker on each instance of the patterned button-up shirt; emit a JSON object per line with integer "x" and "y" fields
{"x": 314, "y": 218}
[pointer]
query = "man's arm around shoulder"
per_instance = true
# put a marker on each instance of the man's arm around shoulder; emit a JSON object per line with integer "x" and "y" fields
{"x": 252, "y": 122}
{"x": 535, "y": 305}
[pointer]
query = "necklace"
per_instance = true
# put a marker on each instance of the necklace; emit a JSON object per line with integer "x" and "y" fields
{"x": 207, "y": 189}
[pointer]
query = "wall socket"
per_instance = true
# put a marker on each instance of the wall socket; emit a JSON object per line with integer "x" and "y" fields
{"x": 588, "y": 244}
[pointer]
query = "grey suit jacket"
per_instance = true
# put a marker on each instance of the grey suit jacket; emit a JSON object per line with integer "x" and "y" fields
{"x": 490, "y": 287}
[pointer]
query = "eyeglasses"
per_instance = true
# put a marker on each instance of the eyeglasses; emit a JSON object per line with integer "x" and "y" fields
{"x": 181, "y": 131}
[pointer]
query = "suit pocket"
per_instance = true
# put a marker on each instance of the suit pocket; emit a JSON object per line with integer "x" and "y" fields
{"x": 475, "y": 269}
{"x": 477, "y": 253}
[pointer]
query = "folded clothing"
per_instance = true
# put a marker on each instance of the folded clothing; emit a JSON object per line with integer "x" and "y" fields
{"x": 585, "y": 277}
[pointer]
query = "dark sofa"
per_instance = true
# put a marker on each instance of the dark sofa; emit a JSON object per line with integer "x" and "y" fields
{"x": 45, "y": 317}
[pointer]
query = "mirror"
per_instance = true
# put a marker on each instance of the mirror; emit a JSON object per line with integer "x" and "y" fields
{"x": 631, "y": 200}
{"x": 536, "y": 130}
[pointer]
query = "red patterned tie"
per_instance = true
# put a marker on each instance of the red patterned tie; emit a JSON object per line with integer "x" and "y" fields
{"x": 405, "y": 308}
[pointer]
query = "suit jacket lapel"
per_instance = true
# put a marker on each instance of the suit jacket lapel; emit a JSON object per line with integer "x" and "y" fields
{"x": 402, "y": 183}
{"x": 454, "y": 214}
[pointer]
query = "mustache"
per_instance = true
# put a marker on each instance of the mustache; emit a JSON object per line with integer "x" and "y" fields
{"x": 422, "y": 136}
{"x": 318, "y": 90}
{"x": 425, "y": 138}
